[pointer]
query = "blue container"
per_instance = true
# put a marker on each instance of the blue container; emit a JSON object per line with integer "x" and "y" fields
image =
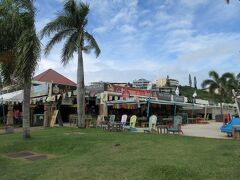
{"x": 227, "y": 128}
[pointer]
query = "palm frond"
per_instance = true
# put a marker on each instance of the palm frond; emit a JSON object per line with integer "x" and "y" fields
{"x": 28, "y": 54}
{"x": 214, "y": 88}
{"x": 70, "y": 47}
{"x": 214, "y": 75}
{"x": 59, "y": 24}
{"x": 7, "y": 72}
{"x": 93, "y": 44}
{"x": 70, "y": 6}
{"x": 83, "y": 11}
{"x": 228, "y": 75}
{"x": 208, "y": 82}
{"x": 58, "y": 37}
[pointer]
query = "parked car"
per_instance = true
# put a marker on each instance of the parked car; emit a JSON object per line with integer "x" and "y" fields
{"x": 227, "y": 128}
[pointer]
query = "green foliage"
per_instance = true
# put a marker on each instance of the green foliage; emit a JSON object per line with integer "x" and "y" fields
{"x": 190, "y": 80}
{"x": 195, "y": 82}
{"x": 221, "y": 87}
{"x": 94, "y": 155}
{"x": 70, "y": 25}
{"x": 201, "y": 93}
{"x": 20, "y": 46}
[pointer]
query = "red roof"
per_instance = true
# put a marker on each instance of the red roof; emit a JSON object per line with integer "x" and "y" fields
{"x": 52, "y": 76}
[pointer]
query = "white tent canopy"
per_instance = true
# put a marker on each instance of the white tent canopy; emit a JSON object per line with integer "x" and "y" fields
{"x": 16, "y": 96}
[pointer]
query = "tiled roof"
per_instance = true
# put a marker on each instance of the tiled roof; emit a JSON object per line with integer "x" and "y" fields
{"x": 52, "y": 76}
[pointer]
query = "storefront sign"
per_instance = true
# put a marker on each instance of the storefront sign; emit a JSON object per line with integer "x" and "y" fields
{"x": 178, "y": 98}
{"x": 39, "y": 90}
{"x": 127, "y": 90}
{"x": 61, "y": 89}
{"x": 165, "y": 97}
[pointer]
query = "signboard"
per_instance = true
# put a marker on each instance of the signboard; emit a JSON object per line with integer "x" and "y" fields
{"x": 39, "y": 90}
{"x": 165, "y": 97}
{"x": 61, "y": 89}
{"x": 178, "y": 98}
{"x": 128, "y": 90}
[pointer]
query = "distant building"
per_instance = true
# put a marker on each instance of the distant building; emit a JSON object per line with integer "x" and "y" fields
{"x": 140, "y": 83}
{"x": 165, "y": 82}
{"x": 167, "y": 85}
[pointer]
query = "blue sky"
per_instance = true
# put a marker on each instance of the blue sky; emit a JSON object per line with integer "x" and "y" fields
{"x": 152, "y": 39}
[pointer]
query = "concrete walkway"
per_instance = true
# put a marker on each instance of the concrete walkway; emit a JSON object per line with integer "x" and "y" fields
{"x": 211, "y": 130}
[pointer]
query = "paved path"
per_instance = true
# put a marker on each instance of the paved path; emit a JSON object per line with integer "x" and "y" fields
{"x": 211, "y": 130}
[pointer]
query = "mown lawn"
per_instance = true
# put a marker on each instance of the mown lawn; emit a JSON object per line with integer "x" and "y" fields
{"x": 119, "y": 155}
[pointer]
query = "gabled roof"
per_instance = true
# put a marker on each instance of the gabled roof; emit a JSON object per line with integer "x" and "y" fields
{"x": 52, "y": 76}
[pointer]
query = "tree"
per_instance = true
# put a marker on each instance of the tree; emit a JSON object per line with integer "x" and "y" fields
{"x": 71, "y": 24}
{"x": 219, "y": 87}
{"x": 190, "y": 80}
{"x": 195, "y": 82}
{"x": 22, "y": 46}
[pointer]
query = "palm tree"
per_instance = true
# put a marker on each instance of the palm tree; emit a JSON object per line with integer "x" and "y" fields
{"x": 220, "y": 87}
{"x": 25, "y": 48}
{"x": 71, "y": 25}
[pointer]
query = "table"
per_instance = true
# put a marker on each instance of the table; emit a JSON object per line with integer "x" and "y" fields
{"x": 162, "y": 128}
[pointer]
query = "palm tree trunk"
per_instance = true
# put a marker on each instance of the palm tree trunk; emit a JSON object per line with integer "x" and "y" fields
{"x": 80, "y": 91}
{"x": 26, "y": 109}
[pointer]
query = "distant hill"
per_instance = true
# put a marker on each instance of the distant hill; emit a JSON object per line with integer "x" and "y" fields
{"x": 201, "y": 93}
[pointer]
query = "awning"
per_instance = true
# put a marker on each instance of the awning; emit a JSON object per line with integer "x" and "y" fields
{"x": 16, "y": 96}
{"x": 183, "y": 104}
{"x": 110, "y": 103}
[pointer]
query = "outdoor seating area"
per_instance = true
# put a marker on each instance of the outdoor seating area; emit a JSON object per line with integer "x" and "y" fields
{"x": 130, "y": 123}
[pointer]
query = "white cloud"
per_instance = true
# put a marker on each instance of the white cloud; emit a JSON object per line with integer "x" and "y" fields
{"x": 164, "y": 38}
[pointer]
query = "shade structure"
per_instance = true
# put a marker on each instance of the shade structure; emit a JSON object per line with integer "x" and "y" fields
{"x": 16, "y": 96}
{"x": 110, "y": 103}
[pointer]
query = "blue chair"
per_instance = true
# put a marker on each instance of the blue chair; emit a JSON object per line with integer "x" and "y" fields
{"x": 177, "y": 122}
{"x": 228, "y": 127}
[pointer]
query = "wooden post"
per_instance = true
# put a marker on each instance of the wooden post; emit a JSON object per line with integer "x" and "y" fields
{"x": 10, "y": 115}
{"x": 47, "y": 114}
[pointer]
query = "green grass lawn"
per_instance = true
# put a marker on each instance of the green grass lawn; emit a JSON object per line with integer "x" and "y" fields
{"x": 94, "y": 155}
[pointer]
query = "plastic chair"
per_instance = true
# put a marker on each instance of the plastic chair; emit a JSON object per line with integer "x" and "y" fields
{"x": 112, "y": 118}
{"x": 177, "y": 122}
{"x": 132, "y": 124}
{"x": 124, "y": 119}
{"x": 152, "y": 124}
